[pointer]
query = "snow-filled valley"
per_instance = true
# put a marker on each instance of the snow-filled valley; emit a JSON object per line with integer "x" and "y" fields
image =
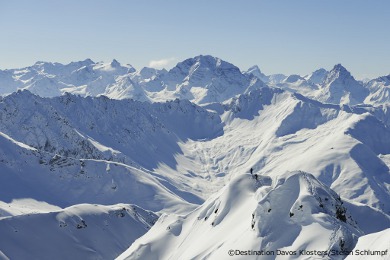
{"x": 103, "y": 161}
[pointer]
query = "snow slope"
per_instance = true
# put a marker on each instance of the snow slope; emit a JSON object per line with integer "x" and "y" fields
{"x": 379, "y": 91}
{"x": 340, "y": 87}
{"x": 64, "y": 181}
{"x": 79, "y": 232}
{"x": 372, "y": 246}
{"x": 284, "y": 215}
{"x": 274, "y": 131}
{"x": 320, "y": 145}
{"x": 202, "y": 79}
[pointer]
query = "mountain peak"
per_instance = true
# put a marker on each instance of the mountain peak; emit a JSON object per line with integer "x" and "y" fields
{"x": 88, "y": 61}
{"x": 317, "y": 76}
{"x": 293, "y": 78}
{"x": 254, "y": 67}
{"x": 115, "y": 64}
{"x": 202, "y": 63}
{"x": 206, "y": 61}
{"x": 321, "y": 70}
{"x": 79, "y": 64}
{"x": 255, "y": 71}
{"x": 340, "y": 68}
{"x": 339, "y": 71}
{"x": 340, "y": 87}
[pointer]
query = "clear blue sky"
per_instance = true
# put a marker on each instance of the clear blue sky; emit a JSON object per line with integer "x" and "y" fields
{"x": 290, "y": 37}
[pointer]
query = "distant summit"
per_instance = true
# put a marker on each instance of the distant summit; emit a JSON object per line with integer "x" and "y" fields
{"x": 340, "y": 87}
{"x": 203, "y": 79}
{"x": 255, "y": 71}
{"x": 318, "y": 76}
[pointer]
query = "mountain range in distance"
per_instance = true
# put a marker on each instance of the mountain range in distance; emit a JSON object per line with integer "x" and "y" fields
{"x": 100, "y": 160}
{"x": 202, "y": 80}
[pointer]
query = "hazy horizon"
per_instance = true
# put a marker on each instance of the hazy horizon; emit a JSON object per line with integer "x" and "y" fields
{"x": 279, "y": 36}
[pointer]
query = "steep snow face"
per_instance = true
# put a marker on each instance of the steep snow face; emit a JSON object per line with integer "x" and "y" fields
{"x": 372, "y": 246}
{"x": 9, "y": 82}
{"x": 276, "y": 78}
{"x": 317, "y": 77}
{"x": 335, "y": 87}
{"x": 125, "y": 87}
{"x": 101, "y": 143}
{"x": 293, "y": 78}
{"x": 298, "y": 84}
{"x": 255, "y": 71}
{"x": 78, "y": 232}
{"x": 274, "y": 131}
{"x": 72, "y": 126}
{"x": 203, "y": 79}
{"x": 379, "y": 91}
{"x": 339, "y": 87}
{"x": 291, "y": 213}
{"x": 187, "y": 146}
{"x": 62, "y": 181}
{"x": 52, "y": 79}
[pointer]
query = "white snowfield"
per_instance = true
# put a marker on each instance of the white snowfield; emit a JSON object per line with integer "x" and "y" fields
{"x": 79, "y": 232}
{"x": 85, "y": 171}
{"x": 279, "y": 216}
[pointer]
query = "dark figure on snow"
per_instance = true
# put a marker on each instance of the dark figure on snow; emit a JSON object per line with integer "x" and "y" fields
{"x": 251, "y": 171}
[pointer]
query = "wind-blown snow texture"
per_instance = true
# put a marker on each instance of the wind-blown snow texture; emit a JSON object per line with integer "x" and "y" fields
{"x": 72, "y": 140}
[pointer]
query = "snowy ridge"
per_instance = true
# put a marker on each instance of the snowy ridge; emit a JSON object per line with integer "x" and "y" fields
{"x": 81, "y": 128}
{"x": 254, "y": 214}
{"x": 181, "y": 143}
{"x": 64, "y": 181}
{"x": 81, "y": 231}
{"x": 340, "y": 87}
{"x": 379, "y": 91}
{"x": 203, "y": 79}
{"x": 373, "y": 246}
{"x": 294, "y": 128}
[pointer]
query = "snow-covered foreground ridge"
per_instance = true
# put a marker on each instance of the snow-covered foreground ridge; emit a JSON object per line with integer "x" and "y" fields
{"x": 320, "y": 151}
{"x": 79, "y": 232}
{"x": 293, "y": 215}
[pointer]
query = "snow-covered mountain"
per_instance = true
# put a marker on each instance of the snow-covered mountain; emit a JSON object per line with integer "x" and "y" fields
{"x": 336, "y": 86}
{"x": 78, "y": 232}
{"x": 318, "y": 144}
{"x": 203, "y": 79}
{"x": 279, "y": 216}
{"x": 269, "y": 79}
{"x": 48, "y": 79}
{"x": 340, "y": 87}
{"x": 379, "y": 91}
{"x": 317, "y": 77}
{"x": 371, "y": 246}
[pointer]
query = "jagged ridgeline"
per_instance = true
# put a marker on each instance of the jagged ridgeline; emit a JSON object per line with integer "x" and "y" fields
{"x": 179, "y": 146}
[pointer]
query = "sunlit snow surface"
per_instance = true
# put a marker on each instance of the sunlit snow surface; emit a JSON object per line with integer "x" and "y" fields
{"x": 319, "y": 144}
